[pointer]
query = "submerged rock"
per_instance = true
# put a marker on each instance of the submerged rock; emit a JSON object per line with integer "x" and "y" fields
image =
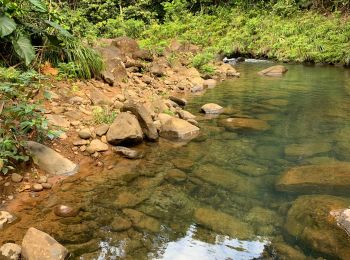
{"x": 129, "y": 153}
{"x": 305, "y": 150}
{"x": 222, "y": 223}
{"x": 37, "y": 245}
{"x": 65, "y": 211}
{"x": 176, "y": 176}
{"x": 50, "y": 161}
{"x": 330, "y": 179}
{"x": 142, "y": 221}
{"x": 120, "y": 224}
{"x": 127, "y": 199}
{"x": 178, "y": 129}
{"x": 310, "y": 221}
{"x": 125, "y": 129}
{"x": 244, "y": 124}
{"x": 10, "y": 251}
{"x": 277, "y": 70}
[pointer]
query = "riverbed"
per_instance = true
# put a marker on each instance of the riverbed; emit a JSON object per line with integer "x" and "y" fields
{"x": 214, "y": 197}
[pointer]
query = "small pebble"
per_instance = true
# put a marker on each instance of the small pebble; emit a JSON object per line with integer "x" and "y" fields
{"x": 15, "y": 177}
{"x": 110, "y": 167}
{"x": 42, "y": 179}
{"x": 47, "y": 185}
{"x": 99, "y": 164}
{"x": 37, "y": 187}
{"x": 7, "y": 184}
{"x": 10, "y": 197}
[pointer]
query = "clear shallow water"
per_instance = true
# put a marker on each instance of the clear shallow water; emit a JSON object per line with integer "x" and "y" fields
{"x": 213, "y": 198}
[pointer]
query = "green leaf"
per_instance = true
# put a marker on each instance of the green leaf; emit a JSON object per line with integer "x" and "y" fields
{"x": 60, "y": 29}
{"x": 7, "y": 25}
{"x": 24, "y": 49}
{"x": 39, "y": 6}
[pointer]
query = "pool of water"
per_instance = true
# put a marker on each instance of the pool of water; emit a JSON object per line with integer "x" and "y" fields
{"x": 215, "y": 197}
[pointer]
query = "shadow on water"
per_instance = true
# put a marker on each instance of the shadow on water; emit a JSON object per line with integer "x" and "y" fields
{"x": 213, "y": 198}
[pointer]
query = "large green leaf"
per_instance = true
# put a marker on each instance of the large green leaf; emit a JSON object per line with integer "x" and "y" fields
{"x": 60, "y": 29}
{"x": 24, "y": 49}
{"x": 39, "y": 5}
{"x": 7, "y": 25}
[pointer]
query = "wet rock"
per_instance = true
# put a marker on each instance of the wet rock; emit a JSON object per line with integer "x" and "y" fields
{"x": 330, "y": 179}
{"x": 210, "y": 83}
{"x": 224, "y": 178}
{"x": 96, "y": 146}
{"x": 222, "y": 223}
{"x": 252, "y": 169}
{"x": 126, "y": 45}
{"x": 6, "y": 218}
{"x": 342, "y": 217}
{"x": 120, "y": 224}
{"x": 129, "y": 200}
{"x": 99, "y": 99}
{"x": 310, "y": 221}
{"x": 50, "y": 161}
{"x": 244, "y": 124}
{"x": 277, "y": 70}
{"x": 183, "y": 164}
{"x": 282, "y": 250}
{"x": 65, "y": 211}
{"x": 128, "y": 153}
{"x": 85, "y": 133}
{"x": 37, "y": 187}
{"x": 144, "y": 117}
{"x": 37, "y": 245}
{"x": 228, "y": 70}
{"x": 10, "y": 251}
{"x": 142, "y": 221}
{"x": 175, "y": 176}
{"x": 305, "y": 150}
{"x": 178, "y": 129}
{"x": 185, "y": 115}
{"x": 212, "y": 108}
{"x": 101, "y": 129}
{"x": 263, "y": 220}
{"x": 15, "y": 177}
{"x": 57, "y": 120}
{"x": 180, "y": 101}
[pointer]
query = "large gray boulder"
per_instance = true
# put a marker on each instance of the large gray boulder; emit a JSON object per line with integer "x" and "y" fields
{"x": 144, "y": 117}
{"x": 125, "y": 130}
{"x": 178, "y": 129}
{"x": 50, "y": 161}
{"x": 37, "y": 245}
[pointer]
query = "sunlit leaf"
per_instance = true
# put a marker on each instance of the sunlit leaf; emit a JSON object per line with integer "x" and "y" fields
{"x": 7, "y": 25}
{"x": 24, "y": 49}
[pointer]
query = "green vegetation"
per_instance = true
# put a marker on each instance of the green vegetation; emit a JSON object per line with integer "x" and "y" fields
{"x": 103, "y": 115}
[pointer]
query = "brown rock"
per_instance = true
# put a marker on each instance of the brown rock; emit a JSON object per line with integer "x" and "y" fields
{"x": 126, "y": 45}
{"x": 65, "y": 211}
{"x": 277, "y": 70}
{"x": 212, "y": 108}
{"x": 178, "y": 129}
{"x": 244, "y": 124}
{"x": 120, "y": 224}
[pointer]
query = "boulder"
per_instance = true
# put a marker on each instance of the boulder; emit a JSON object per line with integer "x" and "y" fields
{"x": 310, "y": 221}
{"x": 6, "y": 218}
{"x": 233, "y": 124}
{"x": 126, "y": 45}
{"x": 210, "y": 83}
{"x": 212, "y": 108}
{"x": 142, "y": 55}
{"x": 37, "y": 245}
{"x": 101, "y": 129}
{"x": 125, "y": 130}
{"x": 178, "y": 129}
{"x": 228, "y": 70}
{"x": 144, "y": 117}
{"x": 277, "y": 70}
{"x": 158, "y": 70}
{"x": 50, "y": 161}
{"x": 306, "y": 150}
{"x": 128, "y": 153}
{"x": 96, "y": 146}
{"x": 333, "y": 178}
{"x": 10, "y": 251}
{"x": 223, "y": 223}
{"x": 85, "y": 133}
{"x": 185, "y": 115}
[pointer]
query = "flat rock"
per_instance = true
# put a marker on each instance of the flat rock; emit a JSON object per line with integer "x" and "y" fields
{"x": 10, "y": 251}
{"x": 311, "y": 222}
{"x": 128, "y": 153}
{"x": 125, "y": 130}
{"x": 80, "y": 142}
{"x": 183, "y": 164}
{"x": 98, "y": 98}
{"x": 6, "y": 218}
{"x": 180, "y": 101}
{"x": 128, "y": 199}
{"x": 50, "y": 161}
{"x": 175, "y": 176}
{"x": 185, "y": 115}
{"x": 277, "y": 70}
{"x": 178, "y": 129}
{"x": 102, "y": 129}
{"x": 15, "y": 177}
{"x": 144, "y": 117}
{"x": 120, "y": 224}
{"x": 58, "y": 121}
{"x": 325, "y": 178}
{"x": 212, "y": 108}
{"x": 222, "y": 223}
{"x": 244, "y": 124}
{"x": 306, "y": 150}
{"x": 97, "y": 146}
{"x": 37, "y": 245}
